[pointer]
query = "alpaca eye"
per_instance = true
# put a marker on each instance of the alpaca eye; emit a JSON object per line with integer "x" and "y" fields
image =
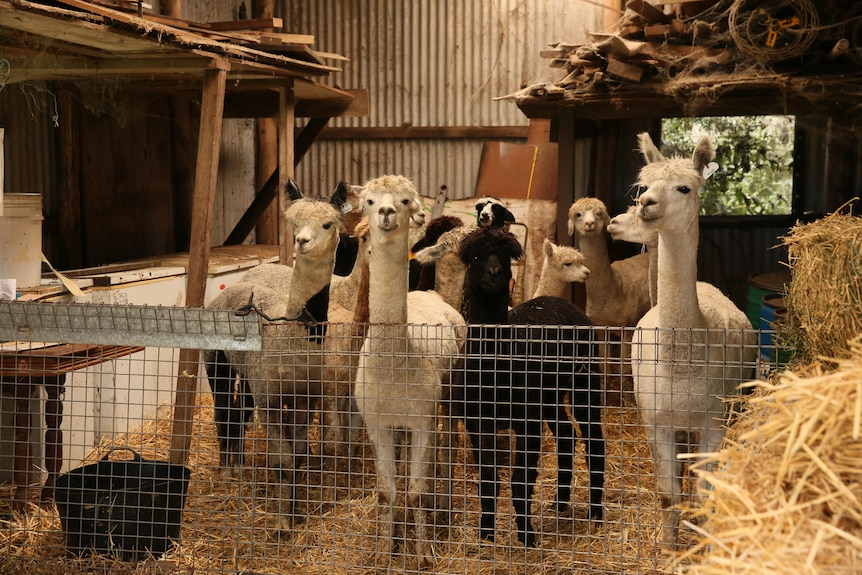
{"x": 327, "y": 225}
{"x": 568, "y": 264}
{"x": 405, "y": 201}
{"x": 578, "y": 215}
{"x": 683, "y": 189}
{"x": 370, "y": 202}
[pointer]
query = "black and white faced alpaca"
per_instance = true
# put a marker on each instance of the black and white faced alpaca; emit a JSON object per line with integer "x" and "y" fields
{"x": 516, "y": 376}
{"x": 491, "y": 213}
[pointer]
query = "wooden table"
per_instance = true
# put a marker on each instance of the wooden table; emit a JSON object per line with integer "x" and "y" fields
{"x": 22, "y": 371}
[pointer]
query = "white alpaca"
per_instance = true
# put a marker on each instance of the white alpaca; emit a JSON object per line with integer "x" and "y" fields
{"x": 398, "y": 381}
{"x": 562, "y": 266}
{"x": 682, "y": 371}
{"x": 617, "y": 292}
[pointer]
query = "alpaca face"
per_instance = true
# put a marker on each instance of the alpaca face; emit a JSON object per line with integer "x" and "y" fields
{"x": 491, "y": 213}
{"x": 391, "y": 203}
{"x": 588, "y": 217}
{"x": 316, "y": 226}
{"x": 488, "y": 255}
{"x": 626, "y": 227}
{"x": 669, "y": 187}
{"x": 567, "y": 261}
{"x": 669, "y": 199}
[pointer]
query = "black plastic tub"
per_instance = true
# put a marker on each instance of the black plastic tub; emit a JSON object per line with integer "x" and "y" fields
{"x": 129, "y": 508}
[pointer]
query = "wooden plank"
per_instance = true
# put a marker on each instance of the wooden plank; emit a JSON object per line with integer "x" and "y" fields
{"x": 648, "y": 12}
{"x": 656, "y": 32}
{"x": 254, "y": 24}
{"x": 206, "y": 174}
{"x": 624, "y": 71}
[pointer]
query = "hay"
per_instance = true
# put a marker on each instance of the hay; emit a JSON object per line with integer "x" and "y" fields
{"x": 228, "y": 523}
{"x": 824, "y": 300}
{"x": 787, "y": 493}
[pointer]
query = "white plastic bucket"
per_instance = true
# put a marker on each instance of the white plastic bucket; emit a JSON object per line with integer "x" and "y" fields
{"x": 21, "y": 239}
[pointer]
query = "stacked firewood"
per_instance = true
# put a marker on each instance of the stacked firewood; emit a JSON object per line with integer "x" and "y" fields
{"x": 663, "y": 41}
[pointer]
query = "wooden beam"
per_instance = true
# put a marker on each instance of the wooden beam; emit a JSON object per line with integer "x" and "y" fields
{"x": 70, "y": 184}
{"x": 206, "y": 173}
{"x": 286, "y": 119}
{"x": 255, "y": 24}
{"x": 425, "y": 133}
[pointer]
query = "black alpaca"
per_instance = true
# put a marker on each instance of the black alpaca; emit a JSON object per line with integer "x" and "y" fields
{"x": 233, "y": 407}
{"x": 516, "y": 376}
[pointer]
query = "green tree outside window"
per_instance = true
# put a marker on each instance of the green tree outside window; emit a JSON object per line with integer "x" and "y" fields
{"x": 755, "y": 159}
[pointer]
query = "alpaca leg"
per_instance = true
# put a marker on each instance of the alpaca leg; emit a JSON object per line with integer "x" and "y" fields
{"x": 281, "y": 459}
{"x": 331, "y": 430}
{"x": 419, "y": 496}
{"x": 710, "y": 442}
{"x": 485, "y": 455}
{"x": 448, "y": 449}
{"x": 221, "y": 378}
{"x": 523, "y": 481}
{"x": 588, "y": 414}
{"x": 667, "y": 483}
{"x": 383, "y": 441}
{"x": 564, "y": 432}
{"x": 242, "y": 413}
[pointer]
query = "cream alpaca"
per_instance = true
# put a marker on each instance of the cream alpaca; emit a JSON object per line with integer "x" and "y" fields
{"x": 562, "y": 266}
{"x": 617, "y": 292}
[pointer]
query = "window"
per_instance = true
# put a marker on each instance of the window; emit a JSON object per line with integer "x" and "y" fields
{"x": 755, "y": 159}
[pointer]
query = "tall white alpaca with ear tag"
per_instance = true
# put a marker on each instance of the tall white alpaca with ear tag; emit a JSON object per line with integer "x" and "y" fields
{"x": 700, "y": 351}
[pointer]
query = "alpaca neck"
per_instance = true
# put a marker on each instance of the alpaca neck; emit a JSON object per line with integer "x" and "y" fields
{"x": 549, "y": 283}
{"x": 595, "y": 250}
{"x": 677, "y": 278}
{"x": 310, "y": 282}
{"x": 487, "y": 308}
{"x": 653, "y": 274}
{"x": 388, "y": 269}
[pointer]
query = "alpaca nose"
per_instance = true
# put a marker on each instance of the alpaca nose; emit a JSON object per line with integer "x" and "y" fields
{"x": 647, "y": 200}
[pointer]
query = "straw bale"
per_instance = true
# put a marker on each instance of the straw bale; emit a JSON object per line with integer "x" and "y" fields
{"x": 824, "y": 300}
{"x": 786, "y": 494}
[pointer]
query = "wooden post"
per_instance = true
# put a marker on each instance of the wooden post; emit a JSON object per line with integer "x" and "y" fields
{"x": 286, "y": 170}
{"x": 172, "y": 8}
{"x": 206, "y": 172}
{"x": 267, "y": 150}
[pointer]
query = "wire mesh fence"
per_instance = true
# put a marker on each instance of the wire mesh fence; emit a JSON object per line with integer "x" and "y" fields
{"x": 520, "y": 449}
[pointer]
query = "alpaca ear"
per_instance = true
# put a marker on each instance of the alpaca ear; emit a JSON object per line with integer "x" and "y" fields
{"x": 293, "y": 190}
{"x": 649, "y": 150}
{"x": 509, "y": 217}
{"x": 339, "y": 198}
{"x": 516, "y": 250}
{"x": 703, "y": 154}
{"x": 547, "y": 248}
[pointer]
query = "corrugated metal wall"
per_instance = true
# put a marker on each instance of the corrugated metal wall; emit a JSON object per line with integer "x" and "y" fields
{"x": 431, "y": 63}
